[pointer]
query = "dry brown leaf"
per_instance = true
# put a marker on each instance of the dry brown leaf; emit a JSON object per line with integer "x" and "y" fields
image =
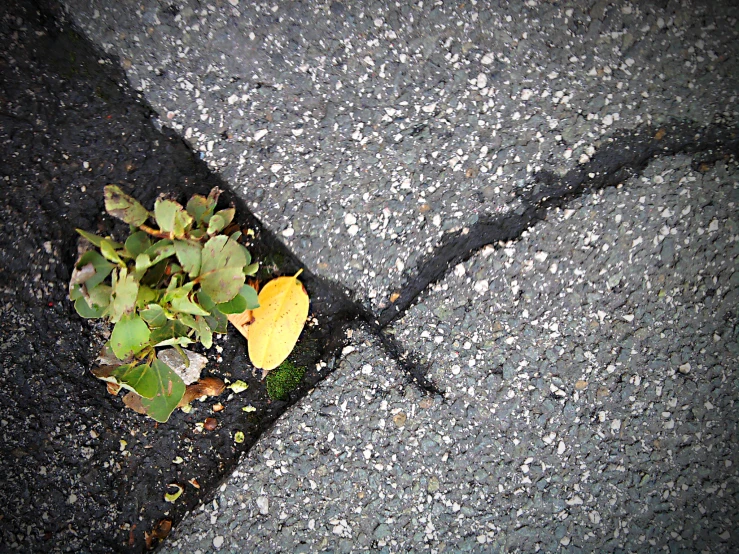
{"x": 660, "y": 134}
{"x": 160, "y": 532}
{"x": 207, "y": 386}
{"x": 210, "y": 424}
{"x": 394, "y": 296}
{"x": 194, "y": 483}
{"x": 113, "y": 388}
{"x": 133, "y": 401}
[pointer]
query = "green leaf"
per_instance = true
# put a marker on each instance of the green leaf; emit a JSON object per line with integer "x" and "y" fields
{"x": 201, "y": 208}
{"x": 109, "y": 251}
{"x": 182, "y": 223}
{"x": 165, "y": 211}
{"x": 247, "y": 299}
{"x": 251, "y": 269}
{"x": 130, "y": 336}
{"x": 217, "y": 320}
{"x": 177, "y": 341}
{"x": 100, "y": 295}
{"x": 143, "y": 262}
{"x": 160, "y": 250}
{"x": 94, "y": 239}
{"x": 236, "y": 305}
{"x": 75, "y": 291}
{"x": 201, "y": 327}
{"x": 154, "y": 315}
{"x": 85, "y": 310}
{"x": 252, "y": 298}
{"x": 154, "y": 274}
{"x": 247, "y": 255}
{"x": 220, "y": 220}
{"x": 174, "y": 290}
{"x": 102, "y": 268}
{"x": 172, "y": 329}
{"x": 124, "y": 207}
{"x": 145, "y": 296}
{"x": 138, "y": 243}
{"x": 223, "y": 284}
{"x": 227, "y": 215}
{"x": 222, "y": 270}
{"x": 181, "y": 302}
{"x": 139, "y": 378}
{"x": 215, "y": 224}
{"x": 188, "y": 253}
{"x": 123, "y": 296}
{"x": 170, "y": 389}
{"x": 92, "y": 306}
{"x": 205, "y": 332}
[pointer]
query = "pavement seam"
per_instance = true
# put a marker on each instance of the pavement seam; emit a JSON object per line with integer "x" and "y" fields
{"x": 624, "y": 155}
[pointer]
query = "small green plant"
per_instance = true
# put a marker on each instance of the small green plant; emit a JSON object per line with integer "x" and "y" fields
{"x": 283, "y": 380}
{"x": 169, "y": 285}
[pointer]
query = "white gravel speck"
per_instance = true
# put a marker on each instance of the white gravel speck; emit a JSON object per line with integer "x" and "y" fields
{"x": 261, "y": 133}
{"x": 218, "y": 540}
{"x": 263, "y": 505}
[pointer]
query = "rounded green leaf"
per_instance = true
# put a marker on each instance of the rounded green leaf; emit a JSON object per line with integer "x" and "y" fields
{"x": 154, "y": 315}
{"x": 130, "y": 336}
{"x": 101, "y": 266}
{"x": 137, "y": 243}
{"x": 123, "y": 295}
{"x": 165, "y": 211}
{"x": 85, "y": 310}
{"x": 169, "y": 391}
{"x": 139, "y": 378}
{"x": 188, "y": 254}
{"x": 124, "y": 207}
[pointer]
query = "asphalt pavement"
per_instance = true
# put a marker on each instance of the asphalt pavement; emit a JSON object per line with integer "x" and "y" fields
{"x": 586, "y": 368}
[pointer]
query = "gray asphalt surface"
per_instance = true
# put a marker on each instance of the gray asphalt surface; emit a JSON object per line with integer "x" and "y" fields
{"x": 589, "y": 369}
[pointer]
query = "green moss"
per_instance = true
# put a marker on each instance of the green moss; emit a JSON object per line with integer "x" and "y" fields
{"x": 283, "y": 380}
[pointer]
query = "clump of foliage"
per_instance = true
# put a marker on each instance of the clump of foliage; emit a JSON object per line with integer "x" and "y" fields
{"x": 283, "y": 380}
{"x": 169, "y": 285}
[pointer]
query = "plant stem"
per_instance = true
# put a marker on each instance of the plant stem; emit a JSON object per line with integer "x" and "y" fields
{"x": 154, "y": 232}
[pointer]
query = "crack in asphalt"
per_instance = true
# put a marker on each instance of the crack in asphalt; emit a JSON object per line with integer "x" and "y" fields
{"x": 624, "y": 155}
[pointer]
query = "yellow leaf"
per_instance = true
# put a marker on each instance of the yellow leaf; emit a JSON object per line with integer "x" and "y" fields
{"x": 278, "y": 321}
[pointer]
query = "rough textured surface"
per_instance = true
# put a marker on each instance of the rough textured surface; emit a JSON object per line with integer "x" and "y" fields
{"x": 81, "y": 472}
{"x": 589, "y": 372}
{"x": 588, "y": 369}
{"x": 365, "y": 130}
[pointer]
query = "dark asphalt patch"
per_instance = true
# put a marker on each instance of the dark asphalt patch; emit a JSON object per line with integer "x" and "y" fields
{"x": 82, "y": 473}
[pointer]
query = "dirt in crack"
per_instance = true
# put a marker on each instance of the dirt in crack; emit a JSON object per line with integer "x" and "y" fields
{"x": 625, "y": 154}
{"x": 81, "y": 472}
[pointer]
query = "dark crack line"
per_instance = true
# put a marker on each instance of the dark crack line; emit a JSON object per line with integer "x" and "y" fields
{"x": 625, "y": 154}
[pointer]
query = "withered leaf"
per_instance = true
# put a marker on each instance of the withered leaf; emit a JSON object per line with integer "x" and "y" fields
{"x": 207, "y": 386}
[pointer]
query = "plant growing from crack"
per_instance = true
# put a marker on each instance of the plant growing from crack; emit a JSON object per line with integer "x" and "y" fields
{"x": 170, "y": 285}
